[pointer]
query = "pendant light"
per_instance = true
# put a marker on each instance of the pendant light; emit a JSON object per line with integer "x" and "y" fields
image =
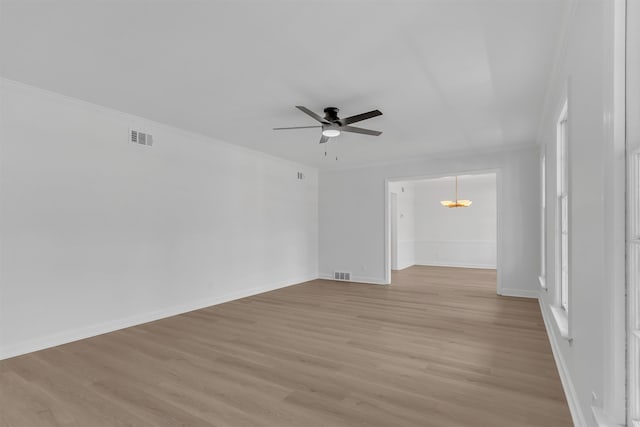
{"x": 457, "y": 203}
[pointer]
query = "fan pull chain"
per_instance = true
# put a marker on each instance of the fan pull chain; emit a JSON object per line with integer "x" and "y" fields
{"x": 326, "y": 153}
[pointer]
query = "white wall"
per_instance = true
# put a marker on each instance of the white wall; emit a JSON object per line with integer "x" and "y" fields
{"x": 352, "y": 214}
{"x": 591, "y": 359}
{"x": 633, "y": 77}
{"x": 460, "y": 237}
{"x": 633, "y": 148}
{"x": 99, "y": 234}
{"x": 405, "y": 220}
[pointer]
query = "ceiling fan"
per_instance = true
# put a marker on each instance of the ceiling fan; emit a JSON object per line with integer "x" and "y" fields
{"x": 332, "y": 125}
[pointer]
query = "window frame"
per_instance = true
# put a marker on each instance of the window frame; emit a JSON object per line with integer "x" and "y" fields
{"x": 562, "y": 287}
{"x": 543, "y": 222}
{"x": 633, "y": 258}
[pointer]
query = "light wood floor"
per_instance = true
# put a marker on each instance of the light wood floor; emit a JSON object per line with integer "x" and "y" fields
{"x": 437, "y": 348}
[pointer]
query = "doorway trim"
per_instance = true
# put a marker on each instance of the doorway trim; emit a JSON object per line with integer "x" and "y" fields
{"x": 499, "y": 219}
{"x": 394, "y": 229}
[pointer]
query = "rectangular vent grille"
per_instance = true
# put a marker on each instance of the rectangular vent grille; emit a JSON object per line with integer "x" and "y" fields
{"x": 137, "y": 137}
{"x": 341, "y": 275}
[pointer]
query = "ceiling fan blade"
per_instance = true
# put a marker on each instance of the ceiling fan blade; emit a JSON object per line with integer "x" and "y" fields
{"x": 360, "y": 130}
{"x": 360, "y": 117}
{"x": 312, "y": 114}
{"x": 324, "y": 139}
{"x": 298, "y": 127}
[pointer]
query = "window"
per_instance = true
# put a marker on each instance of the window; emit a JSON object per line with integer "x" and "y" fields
{"x": 543, "y": 223}
{"x": 560, "y": 308}
{"x": 562, "y": 229}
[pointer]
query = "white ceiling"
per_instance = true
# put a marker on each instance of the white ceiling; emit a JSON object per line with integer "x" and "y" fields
{"x": 486, "y": 179}
{"x": 449, "y": 75}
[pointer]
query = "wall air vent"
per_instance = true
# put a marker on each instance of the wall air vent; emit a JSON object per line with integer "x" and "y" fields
{"x": 137, "y": 137}
{"x": 341, "y": 275}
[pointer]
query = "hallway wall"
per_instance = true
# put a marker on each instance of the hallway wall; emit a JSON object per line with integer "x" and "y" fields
{"x": 589, "y": 74}
{"x": 406, "y": 224}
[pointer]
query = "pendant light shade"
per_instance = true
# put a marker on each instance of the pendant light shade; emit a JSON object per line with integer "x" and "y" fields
{"x": 458, "y": 203}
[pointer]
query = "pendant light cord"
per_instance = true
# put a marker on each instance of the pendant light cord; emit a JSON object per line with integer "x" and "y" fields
{"x": 456, "y": 189}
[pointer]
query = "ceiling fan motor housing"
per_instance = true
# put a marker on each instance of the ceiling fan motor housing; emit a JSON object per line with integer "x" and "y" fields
{"x": 331, "y": 114}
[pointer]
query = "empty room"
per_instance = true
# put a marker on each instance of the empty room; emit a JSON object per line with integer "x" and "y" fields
{"x": 431, "y": 224}
{"x": 320, "y": 213}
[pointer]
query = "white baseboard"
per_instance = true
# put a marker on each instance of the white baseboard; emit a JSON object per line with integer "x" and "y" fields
{"x": 68, "y": 336}
{"x": 403, "y": 267}
{"x": 601, "y": 419}
{"x": 570, "y": 392}
{"x": 453, "y": 264}
{"x": 357, "y": 279}
{"x": 522, "y": 293}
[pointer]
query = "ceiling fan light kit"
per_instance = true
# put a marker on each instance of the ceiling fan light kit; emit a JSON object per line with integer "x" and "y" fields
{"x": 330, "y": 132}
{"x": 332, "y": 125}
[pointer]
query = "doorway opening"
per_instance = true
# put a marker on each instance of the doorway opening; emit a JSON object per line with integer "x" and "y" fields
{"x": 423, "y": 230}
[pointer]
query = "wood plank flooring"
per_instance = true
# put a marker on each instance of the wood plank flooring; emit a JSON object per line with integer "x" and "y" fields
{"x": 437, "y": 348}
